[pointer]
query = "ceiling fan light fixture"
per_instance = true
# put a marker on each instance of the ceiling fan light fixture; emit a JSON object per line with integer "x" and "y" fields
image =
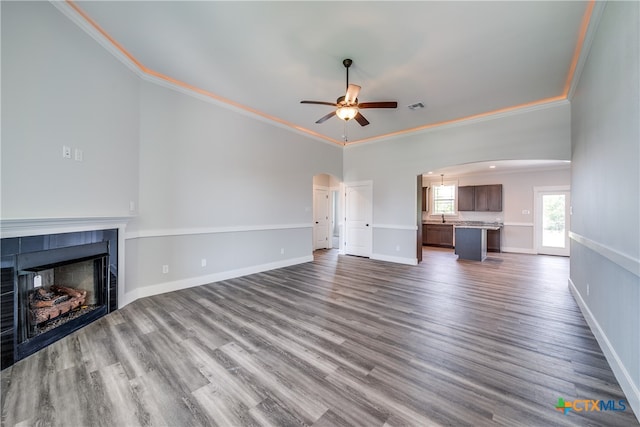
{"x": 347, "y": 106}
{"x": 347, "y": 113}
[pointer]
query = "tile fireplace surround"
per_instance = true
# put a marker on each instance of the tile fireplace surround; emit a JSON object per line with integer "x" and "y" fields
{"x": 34, "y": 253}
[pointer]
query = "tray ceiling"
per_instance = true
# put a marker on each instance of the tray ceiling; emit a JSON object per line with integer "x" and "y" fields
{"x": 460, "y": 59}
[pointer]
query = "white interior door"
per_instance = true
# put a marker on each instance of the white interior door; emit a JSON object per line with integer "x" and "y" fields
{"x": 552, "y": 222}
{"x": 321, "y": 227}
{"x": 358, "y": 216}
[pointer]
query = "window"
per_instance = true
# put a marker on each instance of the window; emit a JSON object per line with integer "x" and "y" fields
{"x": 444, "y": 199}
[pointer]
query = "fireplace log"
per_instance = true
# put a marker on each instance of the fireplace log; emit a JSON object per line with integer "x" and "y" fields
{"x": 65, "y": 300}
{"x": 69, "y": 291}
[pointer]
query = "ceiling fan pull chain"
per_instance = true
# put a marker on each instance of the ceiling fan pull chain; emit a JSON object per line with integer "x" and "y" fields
{"x": 345, "y": 135}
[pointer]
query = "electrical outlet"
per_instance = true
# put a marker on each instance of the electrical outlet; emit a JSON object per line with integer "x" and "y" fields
{"x": 165, "y": 269}
{"x": 66, "y": 152}
{"x": 587, "y": 289}
{"x": 203, "y": 262}
{"x": 397, "y": 248}
{"x": 132, "y": 206}
{"x": 281, "y": 251}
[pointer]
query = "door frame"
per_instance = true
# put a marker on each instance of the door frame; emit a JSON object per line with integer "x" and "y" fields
{"x": 538, "y": 192}
{"x": 420, "y": 195}
{"x": 335, "y": 206}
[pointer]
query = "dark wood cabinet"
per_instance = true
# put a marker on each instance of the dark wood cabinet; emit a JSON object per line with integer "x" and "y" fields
{"x": 466, "y": 197}
{"x": 488, "y": 198}
{"x": 438, "y": 235}
{"x": 425, "y": 195}
{"x": 494, "y": 197}
{"x": 483, "y": 198}
{"x": 493, "y": 241}
{"x": 480, "y": 198}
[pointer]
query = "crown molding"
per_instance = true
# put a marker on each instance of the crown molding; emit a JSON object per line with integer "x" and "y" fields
{"x": 91, "y": 28}
{"x": 594, "y": 22}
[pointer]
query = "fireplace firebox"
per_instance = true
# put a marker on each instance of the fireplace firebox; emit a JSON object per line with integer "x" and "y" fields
{"x": 57, "y": 288}
{"x": 54, "y": 285}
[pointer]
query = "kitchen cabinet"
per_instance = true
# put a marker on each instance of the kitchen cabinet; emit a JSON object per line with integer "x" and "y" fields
{"x": 466, "y": 197}
{"x": 488, "y": 198}
{"x": 493, "y": 241}
{"x": 480, "y": 198}
{"x": 474, "y": 241}
{"x": 425, "y": 199}
{"x": 438, "y": 235}
{"x": 471, "y": 243}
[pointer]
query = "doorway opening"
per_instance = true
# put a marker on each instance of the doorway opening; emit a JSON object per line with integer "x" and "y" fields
{"x": 326, "y": 212}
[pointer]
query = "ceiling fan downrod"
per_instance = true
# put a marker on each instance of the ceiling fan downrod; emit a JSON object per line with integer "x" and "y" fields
{"x": 347, "y": 63}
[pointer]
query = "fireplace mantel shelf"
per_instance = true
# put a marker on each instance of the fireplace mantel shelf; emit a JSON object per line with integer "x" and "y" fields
{"x": 20, "y": 227}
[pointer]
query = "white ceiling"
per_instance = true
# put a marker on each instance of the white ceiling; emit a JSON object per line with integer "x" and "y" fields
{"x": 458, "y": 58}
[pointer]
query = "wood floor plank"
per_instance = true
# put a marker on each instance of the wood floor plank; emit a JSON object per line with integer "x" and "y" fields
{"x": 339, "y": 341}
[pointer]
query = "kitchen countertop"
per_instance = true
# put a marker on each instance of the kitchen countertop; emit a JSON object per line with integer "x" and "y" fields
{"x": 468, "y": 224}
{"x": 485, "y": 227}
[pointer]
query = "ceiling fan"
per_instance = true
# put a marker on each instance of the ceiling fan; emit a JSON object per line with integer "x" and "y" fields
{"x": 348, "y": 106}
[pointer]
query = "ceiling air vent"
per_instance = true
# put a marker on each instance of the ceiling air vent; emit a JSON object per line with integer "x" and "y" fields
{"x": 416, "y": 106}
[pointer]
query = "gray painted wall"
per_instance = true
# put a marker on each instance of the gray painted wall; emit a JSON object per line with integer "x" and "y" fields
{"x": 605, "y": 250}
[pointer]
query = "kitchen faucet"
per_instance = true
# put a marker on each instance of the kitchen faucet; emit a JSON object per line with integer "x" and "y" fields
{"x": 443, "y": 218}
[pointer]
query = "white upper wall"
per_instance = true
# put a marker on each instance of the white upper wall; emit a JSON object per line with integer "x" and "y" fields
{"x": 393, "y": 165}
{"x": 606, "y": 135}
{"x": 203, "y": 165}
{"x": 59, "y": 88}
{"x": 196, "y": 164}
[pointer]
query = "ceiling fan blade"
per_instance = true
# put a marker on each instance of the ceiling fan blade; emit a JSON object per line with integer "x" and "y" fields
{"x": 327, "y": 117}
{"x": 352, "y": 94}
{"x": 333, "y": 104}
{"x": 385, "y": 104}
{"x": 360, "y": 119}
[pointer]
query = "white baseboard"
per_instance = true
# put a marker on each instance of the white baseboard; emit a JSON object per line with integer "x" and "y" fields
{"x": 176, "y": 285}
{"x": 396, "y": 259}
{"x": 519, "y": 250}
{"x": 630, "y": 389}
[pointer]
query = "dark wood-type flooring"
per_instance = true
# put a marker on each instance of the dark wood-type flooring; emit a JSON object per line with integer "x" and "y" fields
{"x": 335, "y": 342}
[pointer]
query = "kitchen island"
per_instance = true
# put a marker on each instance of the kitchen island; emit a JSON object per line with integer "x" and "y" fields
{"x": 471, "y": 241}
